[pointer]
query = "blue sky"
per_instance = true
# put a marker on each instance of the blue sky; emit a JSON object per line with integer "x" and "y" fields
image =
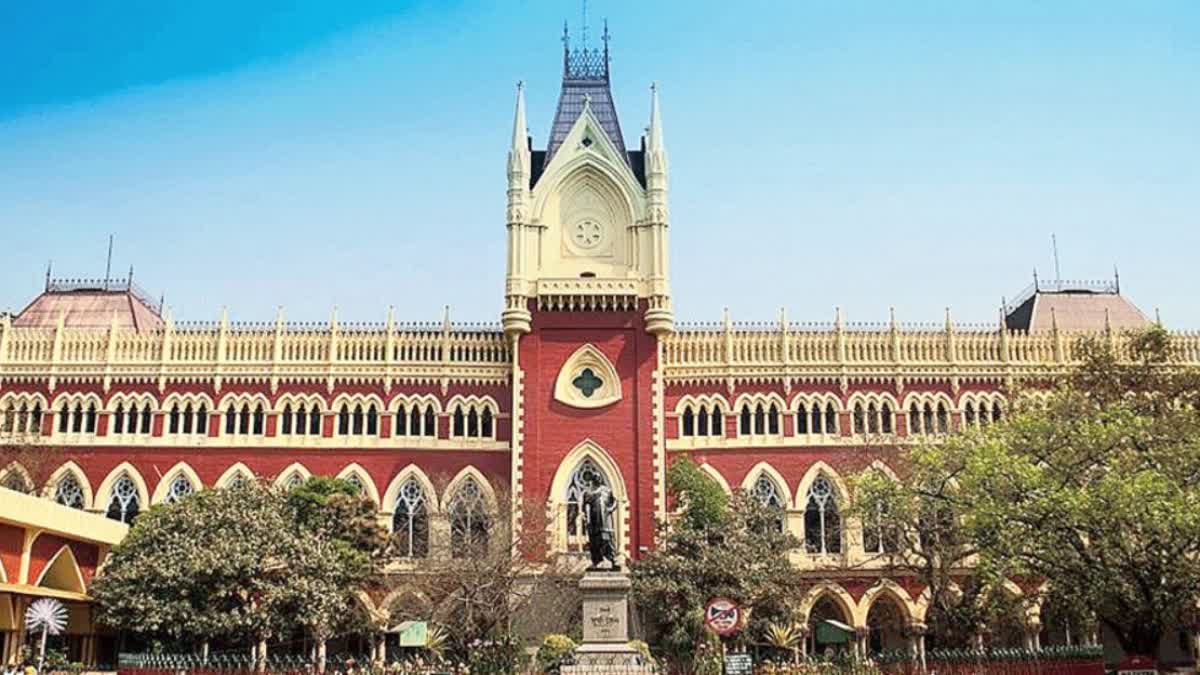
{"x": 861, "y": 154}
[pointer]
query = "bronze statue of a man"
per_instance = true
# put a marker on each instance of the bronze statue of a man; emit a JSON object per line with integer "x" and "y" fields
{"x": 598, "y": 507}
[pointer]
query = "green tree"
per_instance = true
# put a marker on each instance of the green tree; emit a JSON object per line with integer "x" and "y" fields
{"x": 337, "y": 510}
{"x": 205, "y": 568}
{"x": 735, "y": 551}
{"x": 1092, "y": 488}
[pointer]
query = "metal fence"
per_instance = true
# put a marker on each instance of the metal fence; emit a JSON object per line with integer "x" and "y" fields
{"x": 1048, "y": 661}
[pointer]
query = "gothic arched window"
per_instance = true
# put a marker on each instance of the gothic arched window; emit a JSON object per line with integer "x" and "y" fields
{"x": 485, "y": 423}
{"x": 286, "y": 425}
{"x": 411, "y": 520}
{"x": 119, "y": 419}
{"x": 124, "y": 503}
{"x": 16, "y": 481}
{"x": 767, "y": 492}
{"x": 68, "y": 492}
{"x": 830, "y": 419}
{"x": 179, "y": 488}
{"x": 822, "y": 521}
{"x": 469, "y": 522}
{"x": 689, "y": 422}
{"x": 586, "y": 475}
{"x": 430, "y": 422}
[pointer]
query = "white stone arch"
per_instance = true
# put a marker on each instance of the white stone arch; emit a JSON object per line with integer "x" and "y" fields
{"x": 933, "y": 399}
{"x": 820, "y": 468}
{"x": 834, "y": 591}
{"x": 712, "y": 472}
{"x": 351, "y": 400}
{"x": 697, "y": 400}
{"x": 293, "y": 469}
{"x": 765, "y": 468}
{"x": 477, "y": 403}
{"x": 603, "y": 171}
{"x": 467, "y": 473}
{"x": 237, "y": 399}
{"x": 182, "y": 399}
{"x": 164, "y": 483}
{"x": 409, "y": 400}
{"x": 311, "y": 402}
{"x": 885, "y": 587}
{"x": 62, "y": 572}
{"x": 70, "y": 468}
{"x": 925, "y": 599}
{"x": 104, "y": 492}
{"x": 83, "y": 398}
{"x": 15, "y": 467}
{"x": 234, "y": 470}
{"x": 137, "y": 399}
{"x": 587, "y": 357}
{"x": 557, "y": 503}
{"x": 879, "y": 399}
{"x": 753, "y": 400}
{"x": 364, "y": 477}
{"x": 11, "y": 405}
{"x": 388, "y": 504}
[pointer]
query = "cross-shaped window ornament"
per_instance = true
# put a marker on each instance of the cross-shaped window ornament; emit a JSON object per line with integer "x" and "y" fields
{"x": 587, "y": 382}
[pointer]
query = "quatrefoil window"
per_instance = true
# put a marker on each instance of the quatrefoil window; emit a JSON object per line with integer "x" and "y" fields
{"x": 587, "y": 383}
{"x": 587, "y": 380}
{"x": 587, "y": 234}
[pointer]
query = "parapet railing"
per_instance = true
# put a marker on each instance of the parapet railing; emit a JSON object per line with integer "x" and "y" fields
{"x": 280, "y": 352}
{"x": 748, "y": 351}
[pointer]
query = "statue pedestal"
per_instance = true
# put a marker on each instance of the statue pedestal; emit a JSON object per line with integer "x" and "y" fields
{"x": 605, "y": 626}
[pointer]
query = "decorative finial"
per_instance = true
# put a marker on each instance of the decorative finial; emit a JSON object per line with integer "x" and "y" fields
{"x": 1157, "y": 317}
{"x": 49, "y": 264}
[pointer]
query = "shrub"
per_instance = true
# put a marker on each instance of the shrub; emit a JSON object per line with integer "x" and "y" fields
{"x": 555, "y": 652}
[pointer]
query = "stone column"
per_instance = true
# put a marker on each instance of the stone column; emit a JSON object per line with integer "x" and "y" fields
{"x": 862, "y": 645}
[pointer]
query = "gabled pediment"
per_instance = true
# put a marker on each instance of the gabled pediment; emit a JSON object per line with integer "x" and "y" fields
{"x": 587, "y": 143}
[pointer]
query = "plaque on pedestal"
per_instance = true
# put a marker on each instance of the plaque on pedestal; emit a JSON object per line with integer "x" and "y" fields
{"x": 606, "y": 626}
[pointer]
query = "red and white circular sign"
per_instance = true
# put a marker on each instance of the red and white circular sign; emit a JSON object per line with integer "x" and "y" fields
{"x": 722, "y": 616}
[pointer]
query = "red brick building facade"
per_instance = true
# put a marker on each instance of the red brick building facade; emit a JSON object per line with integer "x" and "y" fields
{"x": 586, "y": 375}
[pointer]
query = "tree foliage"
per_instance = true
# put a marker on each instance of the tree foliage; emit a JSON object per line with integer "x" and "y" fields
{"x": 239, "y": 563}
{"x": 735, "y": 551}
{"x": 1092, "y": 488}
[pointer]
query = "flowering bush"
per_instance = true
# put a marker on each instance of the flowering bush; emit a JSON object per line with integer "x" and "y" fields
{"x": 555, "y": 652}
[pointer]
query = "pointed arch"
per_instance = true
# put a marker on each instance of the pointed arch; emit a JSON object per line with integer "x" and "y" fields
{"x": 712, "y": 472}
{"x": 600, "y": 168}
{"x": 392, "y": 494}
{"x": 820, "y": 468}
{"x": 17, "y": 471}
{"x": 558, "y": 505}
{"x": 62, "y": 572}
{"x": 587, "y": 360}
{"x": 70, "y": 468}
{"x": 833, "y": 591}
{"x": 921, "y": 605}
{"x": 104, "y": 492}
{"x": 164, "y": 484}
{"x": 284, "y": 477}
{"x": 469, "y": 472}
{"x": 355, "y": 469}
{"x": 229, "y": 476}
{"x": 889, "y": 588}
{"x": 765, "y": 468}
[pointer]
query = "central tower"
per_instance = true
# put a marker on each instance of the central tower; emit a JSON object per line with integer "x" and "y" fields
{"x": 587, "y": 219}
{"x": 586, "y": 300}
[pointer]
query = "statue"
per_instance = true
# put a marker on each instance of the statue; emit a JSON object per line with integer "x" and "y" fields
{"x": 598, "y": 507}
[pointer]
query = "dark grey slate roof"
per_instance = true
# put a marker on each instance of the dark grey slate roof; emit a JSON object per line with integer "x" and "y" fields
{"x": 585, "y": 75}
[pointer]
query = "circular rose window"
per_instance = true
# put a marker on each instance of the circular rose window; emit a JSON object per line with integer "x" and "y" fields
{"x": 587, "y": 234}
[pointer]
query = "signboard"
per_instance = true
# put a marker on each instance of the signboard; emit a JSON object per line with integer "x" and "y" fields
{"x": 739, "y": 664}
{"x": 722, "y": 616}
{"x": 1137, "y": 665}
{"x": 412, "y": 633}
{"x": 833, "y": 632}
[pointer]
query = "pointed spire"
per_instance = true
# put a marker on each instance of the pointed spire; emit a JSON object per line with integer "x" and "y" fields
{"x": 518, "y": 154}
{"x": 279, "y": 318}
{"x": 654, "y": 136}
{"x": 446, "y": 319}
{"x": 949, "y": 321}
{"x": 333, "y": 320}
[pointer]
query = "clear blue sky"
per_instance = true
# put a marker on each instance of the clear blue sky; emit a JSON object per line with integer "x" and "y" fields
{"x": 862, "y": 154}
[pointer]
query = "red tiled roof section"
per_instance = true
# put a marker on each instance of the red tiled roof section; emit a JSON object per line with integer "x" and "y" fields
{"x": 1079, "y": 312}
{"x": 89, "y": 309}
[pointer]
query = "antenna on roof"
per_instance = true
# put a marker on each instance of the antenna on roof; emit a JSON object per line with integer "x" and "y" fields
{"x": 1057, "y": 271}
{"x": 108, "y": 263}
